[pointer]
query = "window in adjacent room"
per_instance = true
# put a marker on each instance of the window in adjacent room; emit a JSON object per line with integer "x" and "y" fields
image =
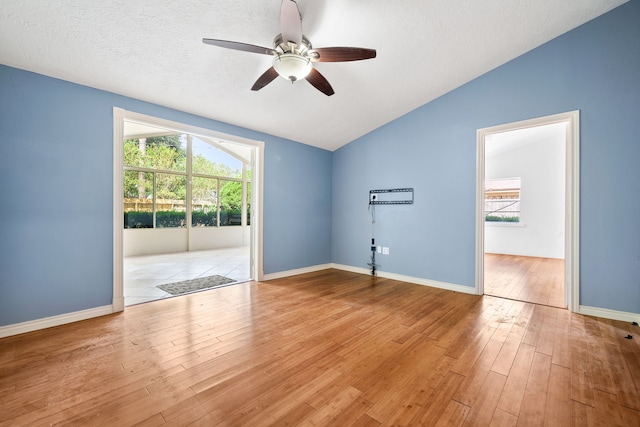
{"x": 155, "y": 184}
{"x": 502, "y": 200}
{"x": 161, "y": 168}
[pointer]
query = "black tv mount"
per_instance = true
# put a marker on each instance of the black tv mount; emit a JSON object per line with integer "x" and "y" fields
{"x": 394, "y": 196}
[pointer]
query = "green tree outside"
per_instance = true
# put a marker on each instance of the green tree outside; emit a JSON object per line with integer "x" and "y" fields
{"x": 167, "y": 153}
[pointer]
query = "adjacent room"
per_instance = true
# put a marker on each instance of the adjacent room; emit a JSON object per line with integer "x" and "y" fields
{"x": 190, "y": 237}
{"x": 525, "y": 214}
{"x": 186, "y": 204}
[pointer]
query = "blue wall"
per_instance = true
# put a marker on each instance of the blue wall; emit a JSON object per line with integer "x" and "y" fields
{"x": 56, "y": 192}
{"x": 595, "y": 69}
{"x": 56, "y": 178}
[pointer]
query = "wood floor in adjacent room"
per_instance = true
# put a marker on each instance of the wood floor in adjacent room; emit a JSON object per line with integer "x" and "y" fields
{"x": 326, "y": 348}
{"x": 529, "y": 279}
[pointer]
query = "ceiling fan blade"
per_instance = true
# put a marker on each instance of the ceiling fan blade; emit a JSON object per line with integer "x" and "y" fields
{"x": 341, "y": 54}
{"x": 266, "y": 78}
{"x": 239, "y": 46}
{"x": 290, "y": 22}
{"x": 318, "y": 81}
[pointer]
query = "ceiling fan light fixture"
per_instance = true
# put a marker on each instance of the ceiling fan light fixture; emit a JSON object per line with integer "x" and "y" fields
{"x": 293, "y": 54}
{"x": 292, "y": 66}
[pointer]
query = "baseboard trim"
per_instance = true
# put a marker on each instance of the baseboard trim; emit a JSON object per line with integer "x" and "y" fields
{"x": 350, "y": 268}
{"x": 586, "y": 310}
{"x": 609, "y": 314}
{"x": 48, "y": 322}
{"x": 117, "y": 304}
{"x": 409, "y": 279}
{"x": 282, "y": 274}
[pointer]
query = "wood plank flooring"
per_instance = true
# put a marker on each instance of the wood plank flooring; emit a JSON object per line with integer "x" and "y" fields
{"x": 326, "y": 348}
{"x": 528, "y": 279}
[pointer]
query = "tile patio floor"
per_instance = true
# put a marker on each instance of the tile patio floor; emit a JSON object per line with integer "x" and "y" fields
{"x": 142, "y": 274}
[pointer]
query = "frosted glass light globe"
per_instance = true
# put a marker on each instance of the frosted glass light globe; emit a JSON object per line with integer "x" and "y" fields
{"x": 292, "y": 66}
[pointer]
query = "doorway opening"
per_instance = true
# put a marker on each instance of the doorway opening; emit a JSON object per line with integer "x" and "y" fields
{"x": 527, "y": 211}
{"x": 187, "y": 208}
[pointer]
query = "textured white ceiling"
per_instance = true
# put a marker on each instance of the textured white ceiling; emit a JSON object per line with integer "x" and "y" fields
{"x": 152, "y": 50}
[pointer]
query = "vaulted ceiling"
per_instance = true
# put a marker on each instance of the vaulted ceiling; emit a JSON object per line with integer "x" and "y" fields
{"x": 152, "y": 50}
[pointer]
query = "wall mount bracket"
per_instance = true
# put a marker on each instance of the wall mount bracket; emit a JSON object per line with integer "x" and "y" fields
{"x": 393, "y": 196}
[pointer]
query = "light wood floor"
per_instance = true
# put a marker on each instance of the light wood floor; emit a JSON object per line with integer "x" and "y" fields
{"x": 327, "y": 348}
{"x": 529, "y": 279}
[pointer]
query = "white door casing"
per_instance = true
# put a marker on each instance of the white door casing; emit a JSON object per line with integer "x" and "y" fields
{"x": 257, "y": 166}
{"x": 572, "y": 199}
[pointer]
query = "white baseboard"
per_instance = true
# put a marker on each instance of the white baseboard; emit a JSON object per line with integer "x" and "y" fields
{"x": 350, "y": 268}
{"x": 409, "y": 279}
{"x": 281, "y": 274}
{"x": 609, "y": 314}
{"x": 48, "y": 322}
{"x": 117, "y": 304}
{"x": 360, "y": 270}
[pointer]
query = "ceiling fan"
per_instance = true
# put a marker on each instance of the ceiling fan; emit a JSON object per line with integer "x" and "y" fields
{"x": 293, "y": 54}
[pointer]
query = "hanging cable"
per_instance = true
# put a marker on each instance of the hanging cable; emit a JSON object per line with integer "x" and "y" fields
{"x": 372, "y": 264}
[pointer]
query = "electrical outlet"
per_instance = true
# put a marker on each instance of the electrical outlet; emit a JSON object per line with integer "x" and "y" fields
{"x": 385, "y": 250}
